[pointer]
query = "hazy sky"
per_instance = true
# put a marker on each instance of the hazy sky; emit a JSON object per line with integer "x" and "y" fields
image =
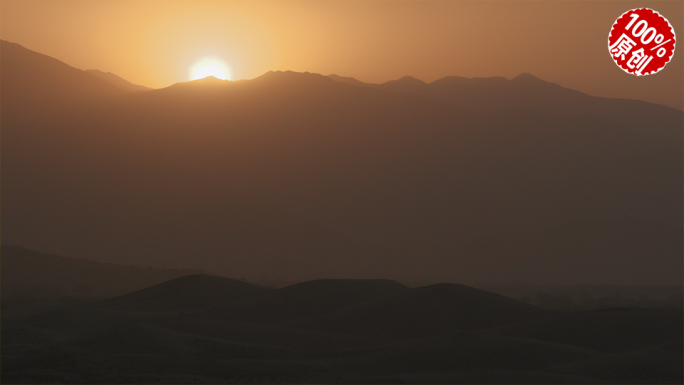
{"x": 155, "y": 43}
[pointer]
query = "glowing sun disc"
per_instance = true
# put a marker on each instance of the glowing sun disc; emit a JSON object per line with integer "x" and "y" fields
{"x": 210, "y": 67}
{"x": 209, "y": 70}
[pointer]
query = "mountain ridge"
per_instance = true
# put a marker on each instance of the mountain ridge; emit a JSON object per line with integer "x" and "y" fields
{"x": 298, "y": 175}
{"x": 496, "y": 93}
{"x": 118, "y": 81}
{"x": 34, "y": 75}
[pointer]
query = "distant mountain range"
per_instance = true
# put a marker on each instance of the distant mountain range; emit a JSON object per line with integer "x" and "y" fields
{"x": 38, "y": 276}
{"x": 299, "y": 175}
{"x": 529, "y": 92}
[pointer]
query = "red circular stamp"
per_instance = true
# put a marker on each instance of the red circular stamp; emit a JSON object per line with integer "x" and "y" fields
{"x": 641, "y": 41}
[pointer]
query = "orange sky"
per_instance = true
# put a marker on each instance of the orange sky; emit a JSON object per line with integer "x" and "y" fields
{"x": 154, "y": 43}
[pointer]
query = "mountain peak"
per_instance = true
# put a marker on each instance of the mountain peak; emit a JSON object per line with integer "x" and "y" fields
{"x": 406, "y": 84}
{"x": 409, "y": 80}
{"x": 209, "y": 79}
{"x": 209, "y": 82}
{"x": 526, "y": 77}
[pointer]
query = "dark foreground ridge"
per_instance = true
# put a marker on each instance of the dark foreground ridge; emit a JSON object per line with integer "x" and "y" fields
{"x": 208, "y": 329}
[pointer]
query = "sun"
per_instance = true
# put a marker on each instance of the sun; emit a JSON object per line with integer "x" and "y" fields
{"x": 209, "y": 70}
{"x": 210, "y": 67}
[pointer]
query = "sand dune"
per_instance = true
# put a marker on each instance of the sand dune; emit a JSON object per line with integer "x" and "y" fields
{"x": 186, "y": 293}
{"x": 660, "y": 364}
{"x": 456, "y": 352}
{"x": 309, "y": 299}
{"x": 328, "y": 331}
{"x": 428, "y": 311}
{"x": 608, "y": 330}
{"x": 146, "y": 339}
{"x": 18, "y": 334}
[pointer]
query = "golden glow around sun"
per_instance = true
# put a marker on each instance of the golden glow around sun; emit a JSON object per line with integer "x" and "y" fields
{"x": 210, "y": 67}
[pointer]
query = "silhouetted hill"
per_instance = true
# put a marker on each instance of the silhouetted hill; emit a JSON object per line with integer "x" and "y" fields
{"x": 294, "y": 175}
{"x": 428, "y": 311}
{"x": 31, "y": 274}
{"x": 118, "y": 81}
{"x": 529, "y": 78}
{"x": 405, "y": 85}
{"x": 185, "y": 293}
